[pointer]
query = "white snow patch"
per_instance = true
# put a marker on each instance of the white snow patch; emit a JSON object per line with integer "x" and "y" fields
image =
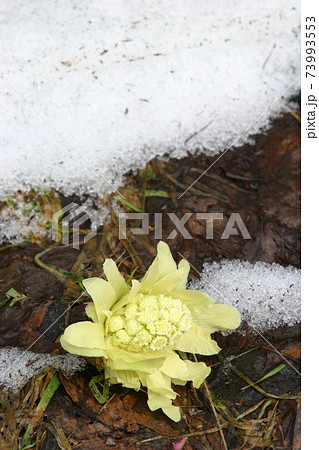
{"x": 124, "y": 81}
{"x": 18, "y": 366}
{"x": 266, "y": 295}
{"x": 20, "y": 219}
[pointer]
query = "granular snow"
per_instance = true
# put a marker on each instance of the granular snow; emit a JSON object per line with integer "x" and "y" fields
{"x": 18, "y": 366}
{"x": 266, "y": 295}
{"x": 116, "y": 83}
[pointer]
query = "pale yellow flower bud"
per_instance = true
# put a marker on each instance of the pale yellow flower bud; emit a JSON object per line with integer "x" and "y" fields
{"x": 116, "y": 323}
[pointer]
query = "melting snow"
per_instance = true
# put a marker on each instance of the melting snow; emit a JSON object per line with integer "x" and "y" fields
{"x": 266, "y": 295}
{"x": 116, "y": 83}
{"x": 18, "y": 366}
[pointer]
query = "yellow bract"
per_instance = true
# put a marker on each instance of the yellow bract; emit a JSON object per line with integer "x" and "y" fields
{"x": 137, "y": 329}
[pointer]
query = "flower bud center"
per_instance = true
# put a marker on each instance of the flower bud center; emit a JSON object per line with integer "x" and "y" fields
{"x": 150, "y": 322}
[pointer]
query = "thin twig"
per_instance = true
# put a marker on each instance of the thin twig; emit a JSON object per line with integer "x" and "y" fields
{"x": 181, "y": 436}
{"x": 47, "y": 267}
{"x": 199, "y": 131}
{"x": 250, "y": 410}
{"x": 211, "y": 404}
{"x": 259, "y": 389}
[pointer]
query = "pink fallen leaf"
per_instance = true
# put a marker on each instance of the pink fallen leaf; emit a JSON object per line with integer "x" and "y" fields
{"x": 180, "y": 444}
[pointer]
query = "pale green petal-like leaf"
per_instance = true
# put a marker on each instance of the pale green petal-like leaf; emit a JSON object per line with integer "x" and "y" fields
{"x": 136, "y": 285}
{"x": 198, "y": 372}
{"x": 157, "y": 401}
{"x": 102, "y": 293}
{"x": 198, "y": 302}
{"x": 128, "y": 378}
{"x": 185, "y": 268}
{"x": 218, "y": 318}
{"x": 148, "y": 365}
{"x": 160, "y": 383}
{"x": 175, "y": 367}
{"x": 85, "y": 339}
{"x": 115, "y": 278}
{"x": 107, "y": 313}
{"x": 197, "y": 340}
{"x": 128, "y": 297}
{"x": 179, "y": 382}
{"x": 165, "y": 285}
{"x": 173, "y": 412}
{"x": 162, "y": 265}
{"x": 184, "y": 371}
{"x": 91, "y": 312}
{"x": 82, "y": 351}
{"x": 142, "y": 376}
{"x": 115, "y": 353}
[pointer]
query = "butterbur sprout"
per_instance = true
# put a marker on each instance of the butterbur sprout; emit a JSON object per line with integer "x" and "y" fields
{"x": 137, "y": 329}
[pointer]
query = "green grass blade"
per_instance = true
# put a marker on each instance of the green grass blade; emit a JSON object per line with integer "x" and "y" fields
{"x": 26, "y": 438}
{"x": 154, "y": 193}
{"x": 100, "y": 397}
{"x": 41, "y": 407}
{"x": 268, "y": 375}
{"x": 49, "y": 392}
{"x": 265, "y": 406}
{"x": 127, "y": 203}
{"x": 132, "y": 275}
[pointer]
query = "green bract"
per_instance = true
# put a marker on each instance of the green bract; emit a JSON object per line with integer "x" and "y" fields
{"x": 136, "y": 329}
